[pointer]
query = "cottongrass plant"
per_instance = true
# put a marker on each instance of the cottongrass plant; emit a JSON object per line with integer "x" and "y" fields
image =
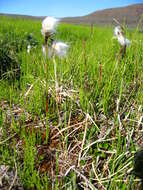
{"x": 123, "y": 41}
{"x": 49, "y": 25}
{"x": 52, "y": 48}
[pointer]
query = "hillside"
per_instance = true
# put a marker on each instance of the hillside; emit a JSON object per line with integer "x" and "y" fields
{"x": 129, "y": 14}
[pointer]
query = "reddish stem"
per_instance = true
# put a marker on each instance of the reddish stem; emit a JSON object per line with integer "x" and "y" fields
{"x": 46, "y": 104}
{"x": 100, "y": 72}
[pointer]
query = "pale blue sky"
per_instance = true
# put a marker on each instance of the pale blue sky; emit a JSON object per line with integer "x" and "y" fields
{"x": 59, "y": 8}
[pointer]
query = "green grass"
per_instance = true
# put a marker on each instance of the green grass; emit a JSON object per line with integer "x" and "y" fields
{"x": 104, "y": 142}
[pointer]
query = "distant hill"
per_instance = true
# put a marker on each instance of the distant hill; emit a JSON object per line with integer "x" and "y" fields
{"x": 130, "y": 15}
{"x": 23, "y": 16}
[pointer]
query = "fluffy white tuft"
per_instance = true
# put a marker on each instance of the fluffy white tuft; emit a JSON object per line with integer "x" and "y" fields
{"x": 60, "y": 49}
{"x": 117, "y": 31}
{"x": 49, "y": 25}
{"x": 28, "y": 48}
{"x": 120, "y": 37}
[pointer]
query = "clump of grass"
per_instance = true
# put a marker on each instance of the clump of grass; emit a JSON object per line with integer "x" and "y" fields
{"x": 9, "y": 60}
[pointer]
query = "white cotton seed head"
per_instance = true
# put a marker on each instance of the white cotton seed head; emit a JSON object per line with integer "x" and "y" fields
{"x": 120, "y": 36}
{"x": 49, "y": 25}
{"x": 28, "y": 48}
{"x": 123, "y": 41}
{"x": 118, "y": 31}
{"x": 60, "y": 49}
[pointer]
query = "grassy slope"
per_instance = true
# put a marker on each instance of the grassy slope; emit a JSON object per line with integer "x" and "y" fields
{"x": 118, "y": 123}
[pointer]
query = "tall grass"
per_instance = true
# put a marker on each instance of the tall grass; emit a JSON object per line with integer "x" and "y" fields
{"x": 105, "y": 96}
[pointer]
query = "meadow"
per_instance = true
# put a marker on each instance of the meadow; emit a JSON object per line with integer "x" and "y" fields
{"x": 83, "y": 135}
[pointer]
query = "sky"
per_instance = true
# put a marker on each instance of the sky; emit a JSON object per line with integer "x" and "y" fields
{"x": 60, "y": 8}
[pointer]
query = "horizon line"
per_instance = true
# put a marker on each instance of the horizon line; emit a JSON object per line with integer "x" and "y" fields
{"x": 28, "y": 15}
